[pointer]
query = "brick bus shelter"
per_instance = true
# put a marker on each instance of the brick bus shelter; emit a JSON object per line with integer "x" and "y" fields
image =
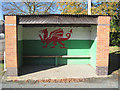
{"x": 54, "y": 39}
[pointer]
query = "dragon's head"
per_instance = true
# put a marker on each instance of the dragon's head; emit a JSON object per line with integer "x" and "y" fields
{"x": 70, "y": 31}
{"x": 44, "y": 32}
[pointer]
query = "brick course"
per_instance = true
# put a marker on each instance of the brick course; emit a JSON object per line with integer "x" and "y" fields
{"x": 11, "y": 45}
{"x": 102, "y": 56}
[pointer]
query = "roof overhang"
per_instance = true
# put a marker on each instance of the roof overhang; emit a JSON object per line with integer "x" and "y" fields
{"x": 57, "y": 20}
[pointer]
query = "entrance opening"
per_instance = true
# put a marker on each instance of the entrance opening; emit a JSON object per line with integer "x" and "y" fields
{"x": 70, "y": 45}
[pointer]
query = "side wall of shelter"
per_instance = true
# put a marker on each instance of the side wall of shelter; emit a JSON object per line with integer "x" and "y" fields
{"x": 93, "y": 45}
{"x": 20, "y": 46}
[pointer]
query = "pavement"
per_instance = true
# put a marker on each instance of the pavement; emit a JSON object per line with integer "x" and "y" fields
{"x": 109, "y": 81}
{"x": 106, "y": 82}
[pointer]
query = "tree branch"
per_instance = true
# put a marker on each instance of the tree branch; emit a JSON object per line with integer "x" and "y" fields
{"x": 48, "y": 8}
{"x": 14, "y": 5}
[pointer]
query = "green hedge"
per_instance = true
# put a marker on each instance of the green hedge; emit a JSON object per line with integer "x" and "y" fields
{"x": 115, "y": 35}
{"x": 114, "y": 38}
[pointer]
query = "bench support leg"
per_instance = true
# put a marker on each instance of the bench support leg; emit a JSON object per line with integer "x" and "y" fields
{"x": 56, "y": 61}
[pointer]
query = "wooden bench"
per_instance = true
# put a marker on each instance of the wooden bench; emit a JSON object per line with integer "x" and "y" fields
{"x": 56, "y": 57}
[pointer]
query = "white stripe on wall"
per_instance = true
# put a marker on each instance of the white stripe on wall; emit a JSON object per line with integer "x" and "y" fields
{"x": 79, "y": 33}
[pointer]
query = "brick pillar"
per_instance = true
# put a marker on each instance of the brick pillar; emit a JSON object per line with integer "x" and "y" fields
{"x": 11, "y": 45}
{"x": 102, "y": 57}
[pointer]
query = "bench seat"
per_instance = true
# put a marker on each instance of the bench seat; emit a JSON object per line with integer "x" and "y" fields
{"x": 64, "y": 56}
{"x": 56, "y": 57}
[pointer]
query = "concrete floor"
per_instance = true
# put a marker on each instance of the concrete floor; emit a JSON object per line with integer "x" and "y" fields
{"x": 60, "y": 72}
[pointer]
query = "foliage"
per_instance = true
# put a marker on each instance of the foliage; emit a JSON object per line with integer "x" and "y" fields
{"x": 99, "y": 8}
{"x": 72, "y": 7}
{"x": 115, "y": 31}
{"x": 114, "y": 38}
{"x": 105, "y": 8}
{"x": 1, "y": 65}
{"x": 115, "y": 28}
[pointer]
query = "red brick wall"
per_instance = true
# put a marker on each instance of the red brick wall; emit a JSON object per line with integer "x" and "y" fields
{"x": 11, "y": 45}
{"x": 102, "y": 57}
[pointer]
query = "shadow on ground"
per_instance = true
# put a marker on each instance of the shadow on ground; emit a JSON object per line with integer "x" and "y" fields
{"x": 27, "y": 69}
{"x": 114, "y": 63}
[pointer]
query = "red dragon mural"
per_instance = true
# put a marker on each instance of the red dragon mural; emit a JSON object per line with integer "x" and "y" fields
{"x": 54, "y": 36}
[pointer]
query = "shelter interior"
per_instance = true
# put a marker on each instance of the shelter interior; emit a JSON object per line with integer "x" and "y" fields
{"x": 36, "y": 37}
{"x": 80, "y": 41}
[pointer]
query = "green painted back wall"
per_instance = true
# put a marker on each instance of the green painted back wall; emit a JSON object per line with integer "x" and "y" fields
{"x": 73, "y": 47}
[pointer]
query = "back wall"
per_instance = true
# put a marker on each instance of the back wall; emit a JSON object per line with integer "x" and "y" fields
{"x": 78, "y": 43}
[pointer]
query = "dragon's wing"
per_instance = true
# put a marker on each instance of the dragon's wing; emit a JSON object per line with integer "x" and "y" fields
{"x": 56, "y": 33}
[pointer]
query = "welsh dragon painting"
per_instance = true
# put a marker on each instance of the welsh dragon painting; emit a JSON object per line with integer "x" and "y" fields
{"x": 54, "y": 36}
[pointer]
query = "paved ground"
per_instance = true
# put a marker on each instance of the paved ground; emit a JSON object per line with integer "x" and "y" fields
{"x": 107, "y": 82}
{"x": 110, "y": 81}
{"x": 37, "y": 72}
